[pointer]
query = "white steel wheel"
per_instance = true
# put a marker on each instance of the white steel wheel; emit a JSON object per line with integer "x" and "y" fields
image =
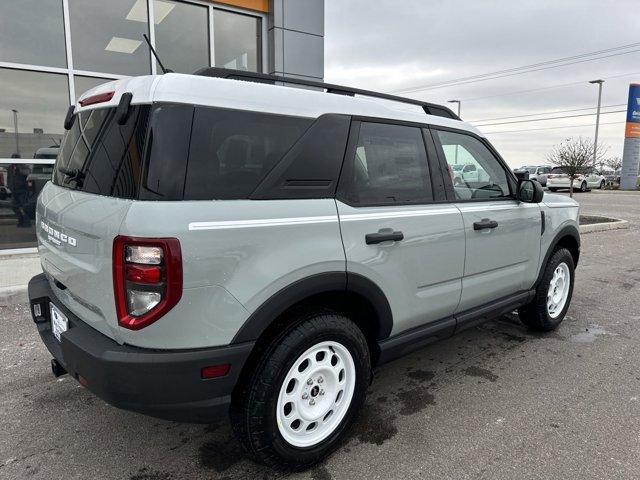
{"x": 558, "y": 291}
{"x": 315, "y": 394}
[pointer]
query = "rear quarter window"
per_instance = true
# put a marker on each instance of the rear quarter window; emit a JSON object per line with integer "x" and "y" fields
{"x": 231, "y": 151}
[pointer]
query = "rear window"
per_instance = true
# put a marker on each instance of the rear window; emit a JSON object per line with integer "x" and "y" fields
{"x": 558, "y": 170}
{"x": 100, "y": 156}
{"x": 182, "y": 152}
{"x": 232, "y": 151}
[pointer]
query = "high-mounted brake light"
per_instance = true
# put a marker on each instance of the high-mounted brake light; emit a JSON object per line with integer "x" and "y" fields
{"x": 147, "y": 279}
{"x": 98, "y": 98}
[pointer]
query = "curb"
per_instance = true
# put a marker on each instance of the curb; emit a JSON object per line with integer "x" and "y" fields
{"x": 13, "y": 295}
{"x": 617, "y": 224}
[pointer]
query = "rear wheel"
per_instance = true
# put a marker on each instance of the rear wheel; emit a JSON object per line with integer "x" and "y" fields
{"x": 553, "y": 294}
{"x": 305, "y": 392}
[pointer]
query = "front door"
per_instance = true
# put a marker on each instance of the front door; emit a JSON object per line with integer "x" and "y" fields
{"x": 502, "y": 234}
{"x": 393, "y": 231}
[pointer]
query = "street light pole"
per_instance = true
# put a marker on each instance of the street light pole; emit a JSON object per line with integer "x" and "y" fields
{"x": 15, "y": 128}
{"x": 459, "y": 108}
{"x": 595, "y": 141}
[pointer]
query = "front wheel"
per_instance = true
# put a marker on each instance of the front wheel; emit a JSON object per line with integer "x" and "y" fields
{"x": 602, "y": 185}
{"x": 304, "y": 393}
{"x": 583, "y": 187}
{"x": 553, "y": 294}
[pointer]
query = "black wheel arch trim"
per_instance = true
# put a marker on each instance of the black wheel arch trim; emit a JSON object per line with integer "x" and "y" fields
{"x": 308, "y": 287}
{"x": 567, "y": 231}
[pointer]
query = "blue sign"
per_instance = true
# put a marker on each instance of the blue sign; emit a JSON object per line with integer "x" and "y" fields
{"x": 633, "y": 106}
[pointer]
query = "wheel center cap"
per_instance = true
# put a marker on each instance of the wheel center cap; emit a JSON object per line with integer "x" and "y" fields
{"x": 314, "y": 391}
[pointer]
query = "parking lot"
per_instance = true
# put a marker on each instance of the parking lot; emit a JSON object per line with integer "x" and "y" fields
{"x": 494, "y": 402}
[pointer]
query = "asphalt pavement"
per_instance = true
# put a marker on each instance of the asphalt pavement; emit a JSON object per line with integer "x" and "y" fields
{"x": 495, "y": 402}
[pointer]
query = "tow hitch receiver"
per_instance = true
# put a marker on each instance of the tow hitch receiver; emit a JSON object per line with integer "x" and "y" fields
{"x": 57, "y": 369}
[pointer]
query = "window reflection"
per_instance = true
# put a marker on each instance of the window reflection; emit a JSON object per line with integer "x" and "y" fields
{"x": 32, "y": 32}
{"x": 182, "y": 35}
{"x": 237, "y": 41}
{"x": 40, "y": 101}
{"x": 107, "y": 36}
{"x": 20, "y": 184}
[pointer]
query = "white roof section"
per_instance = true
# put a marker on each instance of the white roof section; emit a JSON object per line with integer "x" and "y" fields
{"x": 261, "y": 97}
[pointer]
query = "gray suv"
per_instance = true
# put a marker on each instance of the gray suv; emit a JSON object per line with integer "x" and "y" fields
{"x": 216, "y": 244}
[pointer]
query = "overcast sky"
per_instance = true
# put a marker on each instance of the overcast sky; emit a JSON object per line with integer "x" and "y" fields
{"x": 390, "y": 45}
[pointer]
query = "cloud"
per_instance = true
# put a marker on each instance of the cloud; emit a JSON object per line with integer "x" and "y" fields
{"x": 389, "y": 45}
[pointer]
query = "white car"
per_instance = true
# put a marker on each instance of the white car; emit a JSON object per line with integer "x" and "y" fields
{"x": 467, "y": 173}
{"x": 590, "y": 178}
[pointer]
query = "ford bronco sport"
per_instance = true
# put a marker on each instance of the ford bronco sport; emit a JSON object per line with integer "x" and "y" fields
{"x": 219, "y": 244}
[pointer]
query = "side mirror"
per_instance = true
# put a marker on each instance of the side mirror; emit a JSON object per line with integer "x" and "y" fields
{"x": 530, "y": 191}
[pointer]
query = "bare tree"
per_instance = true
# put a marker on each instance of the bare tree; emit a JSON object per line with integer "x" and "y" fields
{"x": 614, "y": 163}
{"x": 575, "y": 157}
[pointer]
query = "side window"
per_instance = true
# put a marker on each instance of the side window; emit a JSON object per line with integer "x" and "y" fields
{"x": 389, "y": 167}
{"x": 475, "y": 172}
{"x": 232, "y": 151}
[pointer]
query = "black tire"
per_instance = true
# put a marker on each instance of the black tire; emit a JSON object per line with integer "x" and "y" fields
{"x": 253, "y": 411}
{"x": 602, "y": 183}
{"x": 535, "y": 315}
{"x": 553, "y": 189}
{"x": 583, "y": 187}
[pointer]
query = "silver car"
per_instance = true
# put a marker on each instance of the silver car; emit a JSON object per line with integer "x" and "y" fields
{"x": 213, "y": 246}
{"x": 538, "y": 173}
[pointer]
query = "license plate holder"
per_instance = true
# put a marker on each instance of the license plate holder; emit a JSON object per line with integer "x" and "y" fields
{"x": 59, "y": 321}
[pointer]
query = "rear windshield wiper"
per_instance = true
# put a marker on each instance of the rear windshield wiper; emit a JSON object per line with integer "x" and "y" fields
{"x": 72, "y": 173}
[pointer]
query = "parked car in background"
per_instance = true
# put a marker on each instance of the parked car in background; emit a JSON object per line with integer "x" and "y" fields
{"x": 466, "y": 173}
{"x": 587, "y": 179}
{"x": 538, "y": 173}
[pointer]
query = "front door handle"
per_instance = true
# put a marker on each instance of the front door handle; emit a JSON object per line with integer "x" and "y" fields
{"x": 383, "y": 236}
{"x": 484, "y": 223}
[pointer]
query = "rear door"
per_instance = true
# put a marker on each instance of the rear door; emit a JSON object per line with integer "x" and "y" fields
{"x": 502, "y": 234}
{"x": 80, "y": 211}
{"x": 396, "y": 226}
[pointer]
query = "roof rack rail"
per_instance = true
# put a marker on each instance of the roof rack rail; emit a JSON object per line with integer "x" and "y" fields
{"x": 429, "y": 108}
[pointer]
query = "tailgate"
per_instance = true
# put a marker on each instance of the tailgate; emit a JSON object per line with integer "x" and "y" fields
{"x": 75, "y": 233}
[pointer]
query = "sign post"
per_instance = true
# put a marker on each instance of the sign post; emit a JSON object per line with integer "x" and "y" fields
{"x": 631, "y": 155}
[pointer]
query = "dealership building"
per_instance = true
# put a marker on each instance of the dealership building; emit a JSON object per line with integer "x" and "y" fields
{"x": 51, "y": 51}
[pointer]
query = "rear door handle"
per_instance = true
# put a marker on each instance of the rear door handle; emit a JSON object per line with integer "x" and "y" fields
{"x": 383, "y": 236}
{"x": 484, "y": 223}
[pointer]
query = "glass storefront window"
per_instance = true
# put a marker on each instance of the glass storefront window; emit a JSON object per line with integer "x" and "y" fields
{"x": 106, "y": 36}
{"x": 20, "y": 184}
{"x": 32, "y": 32}
{"x": 40, "y": 101}
{"x": 82, "y": 84}
{"x": 182, "y": 35}
{"x": 237, "y": 41}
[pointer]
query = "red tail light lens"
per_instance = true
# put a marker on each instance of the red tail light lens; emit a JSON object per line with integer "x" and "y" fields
{"x": 147, "y": 279}
{"x": 98, "y": 98}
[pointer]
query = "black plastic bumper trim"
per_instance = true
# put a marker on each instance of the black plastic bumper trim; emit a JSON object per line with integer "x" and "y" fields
{"x": 161, "y": 383}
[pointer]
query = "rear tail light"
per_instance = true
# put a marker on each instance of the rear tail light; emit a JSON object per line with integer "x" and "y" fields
{"x": 147, "y": 279}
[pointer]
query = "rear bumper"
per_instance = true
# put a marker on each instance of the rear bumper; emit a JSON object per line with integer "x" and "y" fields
{"x": 162, "y": 383}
